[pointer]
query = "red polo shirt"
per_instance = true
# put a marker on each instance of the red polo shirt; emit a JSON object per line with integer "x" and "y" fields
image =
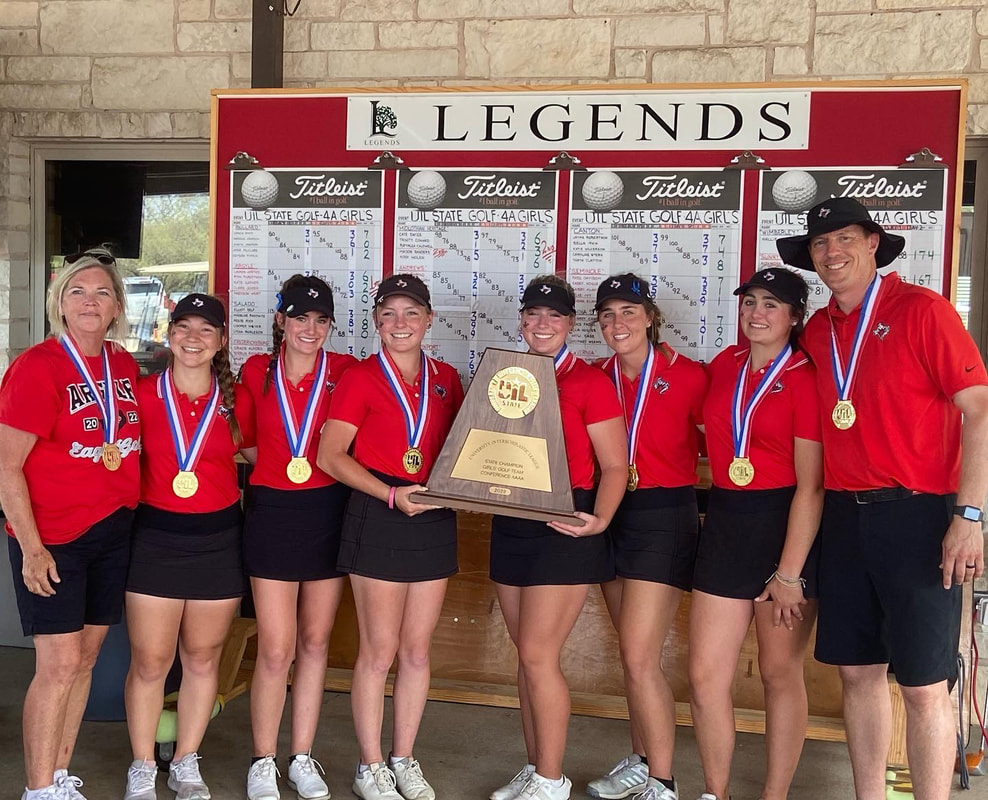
{"x": 586, "y": 396}
{"x": 70, "y": 489}
{"x": 365, "y": 399}
{"x": 260, "y": 419}
{"x": 915, "y": 358}
{"x": 789, "y": 411}
{"x": 216, "y": 470}
{"x": 668, "y": 445}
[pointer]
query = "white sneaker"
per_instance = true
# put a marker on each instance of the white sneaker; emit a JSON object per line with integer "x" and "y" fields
{"x": 70, "y": 783}
{"x": 141, "y": 776}
{"x": 513, "y": 788}
{"x": 262, "y": 779}
{"x": 629, "y": 776}
{"x": 410, "y": 781}
{"x": 376, "y": 783}
{"x": 303, "y": 777}
{"x": 539, "y": 788}
{"x": 184, "y": 779}
{"x": 53, "y": 792}
{"x": 708, "y": 796}
{"x": 656, "y": 791}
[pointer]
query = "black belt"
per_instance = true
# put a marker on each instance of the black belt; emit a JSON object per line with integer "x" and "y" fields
{"x": 881, "y": 495}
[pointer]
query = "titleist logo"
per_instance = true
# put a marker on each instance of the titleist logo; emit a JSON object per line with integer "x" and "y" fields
{"x": 487, "y": 186}
{"x": 866, "y": 186}
{"x": 321, "y": 186}
{"x": 674, "y": 186}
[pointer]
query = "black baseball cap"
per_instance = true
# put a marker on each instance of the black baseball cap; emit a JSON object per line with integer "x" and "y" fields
{"x": 627, "y": 286}
{"x": 405, "y": 286}
{"x": 545, "y": 294}
{"x": 780, "y": 282}
{"x": 832, "y": 215}
{"x": 200, "y": 305}
{"x": 313, "y": 295}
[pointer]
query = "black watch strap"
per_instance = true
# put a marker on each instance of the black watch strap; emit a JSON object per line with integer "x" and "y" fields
{"x": 971, "y": 513}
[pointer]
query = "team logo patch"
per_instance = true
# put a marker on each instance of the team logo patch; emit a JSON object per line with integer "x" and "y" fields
{"x": 197, "y": 302}
{"x": 777, "y": 387}
{"x": 546, "y": 289}
{"x": 661, "y": 385}
{"x": 615, "y": 284}
{"x": 881, "y": 330}
{"x": 401, "y": 283}
{"x": 823, "y": 213}
{"x": 769, "y": 275}
{"x": 223, "y": 411}
{"x": 440, "y": 391}
{"x": 313, "y": 293}
{"x": 330, "y": 386}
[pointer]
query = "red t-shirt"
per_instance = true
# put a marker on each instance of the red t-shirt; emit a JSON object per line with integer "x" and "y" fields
{"x": 365, "y": 399}
{"x": 789, "y": 411}
{"x": 70, "y": 489}
{"x": 216, "y": 470}
{"x": 668, "y": 445}
{"x": 586, "y": 396}
{"x": 260, "y": 420}
{"x": 915, "y": 358}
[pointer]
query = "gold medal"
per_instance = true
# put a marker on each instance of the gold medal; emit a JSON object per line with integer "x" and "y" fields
{"x": 111, "y": 456}
{"x": 412, "y": 460}
{"x": 741, "y": 472}
{"x": 844, "y": 415}
{"x": 632, "y": 477}
{"x": 185, "y": 484}
{"x": 299, "y": 470}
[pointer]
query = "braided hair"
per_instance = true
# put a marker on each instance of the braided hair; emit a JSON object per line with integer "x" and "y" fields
{"x": 226, "y": 380}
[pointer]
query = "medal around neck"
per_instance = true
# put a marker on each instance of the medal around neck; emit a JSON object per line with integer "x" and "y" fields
{"x": 844, "y": 415}
{"x": 632, "y": 477}
{"x": 185, "y": 484}
{"x": 504, "y": 453}
{"x": 111, "y": 456}
{"x": 299, "y": 470}
{"x": 741, "y": 472}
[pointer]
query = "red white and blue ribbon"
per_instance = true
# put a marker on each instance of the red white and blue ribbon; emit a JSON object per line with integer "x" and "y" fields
{"x": 564, "y": 361}
{"x": 742, "y": 412}
{"x": 641, "y": 398}
{"x": 105, "y": 400}
{"x": 843, "y": 379}
{"x": 187, "y": 452}
{"x": 414, "y": 422}
{"x": 300, "y": 434}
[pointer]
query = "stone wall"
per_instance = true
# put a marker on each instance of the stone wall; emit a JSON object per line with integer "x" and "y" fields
{"x": 142, "y": 69}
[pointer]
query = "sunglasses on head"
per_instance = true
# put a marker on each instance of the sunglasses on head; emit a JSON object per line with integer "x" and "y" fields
{"x": 103, "y": 258}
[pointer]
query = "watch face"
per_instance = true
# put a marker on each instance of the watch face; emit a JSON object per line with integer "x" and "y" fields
{"x": 969, "y": 513}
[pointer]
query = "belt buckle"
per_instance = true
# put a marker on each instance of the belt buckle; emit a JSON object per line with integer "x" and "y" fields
{"x": 859, "y": 499}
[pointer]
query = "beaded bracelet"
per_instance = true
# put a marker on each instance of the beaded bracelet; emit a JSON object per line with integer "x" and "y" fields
{"x": 785, "y": 580}
{"x": 391, "y": 496}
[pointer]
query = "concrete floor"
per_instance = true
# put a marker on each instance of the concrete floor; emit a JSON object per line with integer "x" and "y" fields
{"x": 465, "y": 751}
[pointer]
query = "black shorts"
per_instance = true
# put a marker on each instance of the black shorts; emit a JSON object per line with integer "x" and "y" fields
{"x": 881, "y": 589}
{"x": 187, "y": 556}
{"x": 741, "y": 543}
{"x": 386, "y": 544}
{"x": 527, "y": 552}
{"x": 93, "y": 573}
{"x": 294, "y": 534}
{"x": 655, "y": 534}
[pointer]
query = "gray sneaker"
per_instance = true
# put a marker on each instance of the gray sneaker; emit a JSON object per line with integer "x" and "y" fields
{"x": 262, "y": 779}
{"x": 628, "y": 777}
{"x": 140, "y": 781}
{"x": 53, "y": 792}
{"x": 513, "y": 788}
{"x": 70, "y": 783}
{"x": 656, "y": 791}
{"x": 184, "y": 779}
{"x": 410, "y": 781}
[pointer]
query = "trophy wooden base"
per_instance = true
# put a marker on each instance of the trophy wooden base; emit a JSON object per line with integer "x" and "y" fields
{"x": 482, "y": 507}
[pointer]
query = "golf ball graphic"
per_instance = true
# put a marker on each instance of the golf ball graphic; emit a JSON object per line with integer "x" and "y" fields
{"x": 794, "y": 191}
{"x": 426, "y": 189}
{"x": 259, "y": 189}
{"x": 602, "y": 190}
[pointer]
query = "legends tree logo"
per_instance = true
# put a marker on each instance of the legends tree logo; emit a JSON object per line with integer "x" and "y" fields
{"x": 384, "y": 121}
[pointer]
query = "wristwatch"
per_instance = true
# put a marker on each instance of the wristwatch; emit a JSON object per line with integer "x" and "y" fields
{"x": 970, "y": 513}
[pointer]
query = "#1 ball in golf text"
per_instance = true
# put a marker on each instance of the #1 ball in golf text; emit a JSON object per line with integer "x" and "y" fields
{"x": 602, "y": 190}
{"x": 794, "y": 191}
{"x": 259, "y": 189}
{"x": 426, "y": 189}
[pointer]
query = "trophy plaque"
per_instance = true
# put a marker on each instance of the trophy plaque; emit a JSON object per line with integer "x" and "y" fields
{"x": 505, "y": 453}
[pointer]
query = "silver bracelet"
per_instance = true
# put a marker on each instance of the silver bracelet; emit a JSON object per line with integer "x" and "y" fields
{"x": 785, "y": 580}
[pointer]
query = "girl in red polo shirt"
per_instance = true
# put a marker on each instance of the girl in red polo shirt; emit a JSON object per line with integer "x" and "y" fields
{"x": 186, "y": 576}
{"x": 542, "y": 571}
{"x": 395, "y": 408}
{"x": 291, "y": 531}
{"x": 655, "y": 528}
{"x": 756, "y": 555}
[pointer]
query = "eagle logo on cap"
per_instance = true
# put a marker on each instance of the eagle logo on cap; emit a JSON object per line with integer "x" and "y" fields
{"x": 615, "y": 284}
{"x": 824, "y": 213}
{"x": 769, "y": 275}
{"x": 401, "y": 283}
{"x": 197, "y": 302}
{"x": 313, "y": 293}
{"x": 546, "y": 289}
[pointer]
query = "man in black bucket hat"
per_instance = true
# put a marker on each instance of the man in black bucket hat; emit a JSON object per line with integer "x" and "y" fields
{"x": 904, "y": 398}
